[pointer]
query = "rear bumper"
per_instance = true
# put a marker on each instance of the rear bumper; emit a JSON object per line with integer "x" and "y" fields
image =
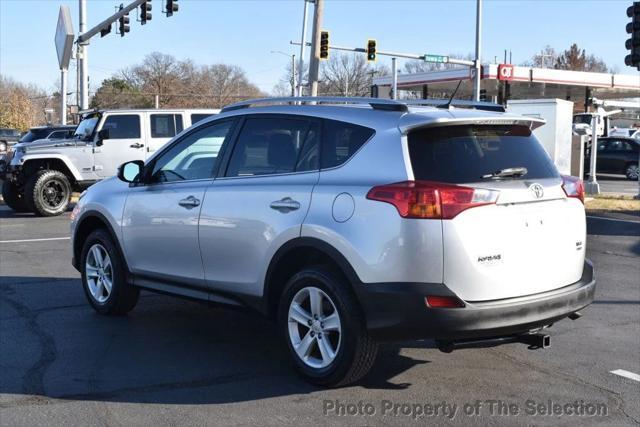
{"x": 397, "y": 311}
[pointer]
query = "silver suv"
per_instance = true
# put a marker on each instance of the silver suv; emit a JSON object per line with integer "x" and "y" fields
{"x": 349, "y": 222}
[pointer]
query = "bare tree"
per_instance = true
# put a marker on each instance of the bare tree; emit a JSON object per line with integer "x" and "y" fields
{"x": 348, "y": 75}
{"x": 22, "y": 106}
{"x": 545, "y": 59}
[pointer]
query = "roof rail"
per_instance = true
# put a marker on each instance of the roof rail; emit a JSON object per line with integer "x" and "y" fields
{"x": 477, "y": 105}
{"x": 375, "y": 103}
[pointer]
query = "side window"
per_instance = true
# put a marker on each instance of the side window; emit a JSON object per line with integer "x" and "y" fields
{"x": 269, "y": 146}
{"x": 124, "y": 126}
{"x": 603, "y": 145}
{"x": 340, "y": 141}
{"x": 165, "y": 125}
{"x": 197, "y": 117}
{"x": 193, "y": 157}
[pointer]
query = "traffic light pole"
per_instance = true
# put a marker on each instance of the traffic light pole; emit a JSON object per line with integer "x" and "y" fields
{"x": 303, "y": 45}
{"x": 314, "y": 58}
{"x": 83, "y": 60}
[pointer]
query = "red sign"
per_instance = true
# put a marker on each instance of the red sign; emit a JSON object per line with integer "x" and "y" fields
{"x": 505, "y": 72}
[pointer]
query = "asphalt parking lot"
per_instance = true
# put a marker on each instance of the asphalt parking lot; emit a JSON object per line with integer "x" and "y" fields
{"x": 617, "y": 184}
{"x": 175, "y": 362}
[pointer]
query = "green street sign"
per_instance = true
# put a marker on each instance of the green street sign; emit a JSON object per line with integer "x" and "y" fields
{"x": 435, "y": 58}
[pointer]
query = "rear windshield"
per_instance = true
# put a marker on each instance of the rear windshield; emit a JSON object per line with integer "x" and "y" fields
{"x": 460, "y": 154}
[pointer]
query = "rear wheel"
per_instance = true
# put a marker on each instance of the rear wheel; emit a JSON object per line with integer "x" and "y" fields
{"x": 104, "y": 276}
{"x": 632, "y": 172}
{"x": 48, "y": 193}
{"x": 324, "y": 330}
{"x": 13, "y": 197}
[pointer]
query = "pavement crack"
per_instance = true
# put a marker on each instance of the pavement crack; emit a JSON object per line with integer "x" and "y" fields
{"x": 617, "y": 397}
{"x": 33, "y": 381}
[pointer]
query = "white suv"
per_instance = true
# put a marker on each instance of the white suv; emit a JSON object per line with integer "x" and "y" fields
{"x": 349, "y": 221}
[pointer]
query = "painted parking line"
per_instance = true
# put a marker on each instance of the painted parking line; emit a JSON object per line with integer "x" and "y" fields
{"x": 613, "y": 219}
{"x": 626, "y": 374}
{"x": 35, "y": 240}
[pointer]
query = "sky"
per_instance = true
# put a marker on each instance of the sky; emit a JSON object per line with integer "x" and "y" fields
{"x": 245, "y": 33}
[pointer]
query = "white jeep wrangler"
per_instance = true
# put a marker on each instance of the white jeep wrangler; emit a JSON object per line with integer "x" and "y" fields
{"x": 41, "y": 175}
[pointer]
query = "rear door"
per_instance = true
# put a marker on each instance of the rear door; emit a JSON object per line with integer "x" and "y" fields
{"x": 259, "y": 201}
{"x": 532, "y": 240}
{"x": 162, "y": 127}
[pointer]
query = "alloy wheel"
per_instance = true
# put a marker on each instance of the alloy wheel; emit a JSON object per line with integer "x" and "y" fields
{"x": 315, "y": 329}
{"x": 99, "y": 273}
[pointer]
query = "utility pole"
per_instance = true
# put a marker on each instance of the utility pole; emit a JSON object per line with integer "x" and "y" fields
{"x": 478, "y": 66}
{"x": 293, "y": 75}
{"x": 394, "y": 84}
{"x": 314, "y": 57}
{"x": 83, "y": 64}
{"x": 303, "y": 45}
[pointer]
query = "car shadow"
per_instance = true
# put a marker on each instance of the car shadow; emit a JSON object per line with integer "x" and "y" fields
{"x": 167, "y": 350}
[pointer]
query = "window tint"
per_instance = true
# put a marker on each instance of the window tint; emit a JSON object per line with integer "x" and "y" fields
{"x": 197, "y": 117}
{"x": 274, "y": 145}
{"x": 459, "y": 154}
{"x": 340, "y": 141}
{"x": 123, "y": 126}
{"x": 165, "y": 125}
{"x": 194, "y": 157}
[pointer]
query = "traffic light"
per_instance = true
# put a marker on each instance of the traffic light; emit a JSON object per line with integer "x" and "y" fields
{"x": 106, "y": 30}
{"x": 371, "y": 50}
{"x": 171, "y": 6}
{"x": 483, "y": 94}
{"x": 633, "y": 28}
{"x": 145, "y": 12}
{"x": 324, "y": 45}
{"x": 124, "y": 24}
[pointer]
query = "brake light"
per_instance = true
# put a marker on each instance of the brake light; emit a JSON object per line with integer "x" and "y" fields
{"x": 431, "y": 200}
{"x": 436, "y": 301}
{"x": 573, "y": 187}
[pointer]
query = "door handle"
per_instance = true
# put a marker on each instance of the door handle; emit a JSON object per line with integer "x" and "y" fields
{"x": 189, "y": 202}
{"x": 285, "y": 205}
{"x": 136, "y": 145}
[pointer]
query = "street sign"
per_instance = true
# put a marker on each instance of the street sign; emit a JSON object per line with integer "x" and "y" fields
{"x": 436, "y": 58}
{"x": 505, "y": 72}
{"x": 64, "y": 37}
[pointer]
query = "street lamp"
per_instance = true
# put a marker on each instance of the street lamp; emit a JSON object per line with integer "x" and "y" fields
{"x": 293, "y": 69}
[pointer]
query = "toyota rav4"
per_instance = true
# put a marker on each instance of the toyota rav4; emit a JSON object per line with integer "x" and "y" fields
{"x": 349, "y": 222}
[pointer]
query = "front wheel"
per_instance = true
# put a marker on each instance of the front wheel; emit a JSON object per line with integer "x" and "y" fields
{"x": 324, "y": 329}
{"x": 632, "y": 172}
{"x": 104, "y": 276}
{"x": 48, "y": 193}
{"x": 13, "y": 197}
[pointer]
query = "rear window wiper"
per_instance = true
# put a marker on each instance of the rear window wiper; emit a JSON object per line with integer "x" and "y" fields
{"x": 506, "y": 173}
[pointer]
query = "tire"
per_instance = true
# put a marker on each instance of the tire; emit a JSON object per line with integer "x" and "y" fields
{"x": 632, "y": 172}
{"x": 355, "y": 351}
{"x": 13, "y": 197}
{"x": 48, "y": 193}
{"x": 122, "y": 297}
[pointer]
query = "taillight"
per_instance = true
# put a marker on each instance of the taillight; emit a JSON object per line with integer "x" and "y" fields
{"x": 573, "y": 187}
{"x": 431, "y": 200}
{"x": 437, "y": 301}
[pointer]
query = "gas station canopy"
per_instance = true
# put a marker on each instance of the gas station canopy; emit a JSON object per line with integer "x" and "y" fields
{"x": 521, "y": 83}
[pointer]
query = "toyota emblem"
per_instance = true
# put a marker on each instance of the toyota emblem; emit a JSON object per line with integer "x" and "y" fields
{"x": 537, "y": 190}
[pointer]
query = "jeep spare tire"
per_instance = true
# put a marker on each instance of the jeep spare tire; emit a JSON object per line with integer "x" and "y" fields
{"x": 48, "y": 193}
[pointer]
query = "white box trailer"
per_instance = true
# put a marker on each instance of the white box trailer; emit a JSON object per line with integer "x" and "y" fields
{"x": 556, "y": 134}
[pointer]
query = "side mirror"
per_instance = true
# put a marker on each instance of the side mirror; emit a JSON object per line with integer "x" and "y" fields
{"x": 130, "y": 171}
{"x": 102, "y": 135}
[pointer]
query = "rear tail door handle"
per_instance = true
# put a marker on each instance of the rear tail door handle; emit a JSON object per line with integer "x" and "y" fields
{"x": 285, "y": 205}
{"x": 189, "y": 202}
